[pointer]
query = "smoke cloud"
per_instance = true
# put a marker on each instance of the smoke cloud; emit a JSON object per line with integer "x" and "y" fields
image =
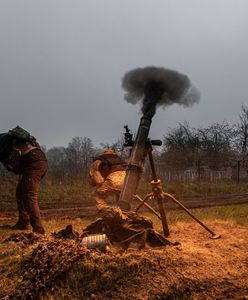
{"x": 154, "y": 86}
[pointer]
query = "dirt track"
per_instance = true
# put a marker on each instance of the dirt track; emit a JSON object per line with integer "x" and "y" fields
{"x": 77, "y": 209}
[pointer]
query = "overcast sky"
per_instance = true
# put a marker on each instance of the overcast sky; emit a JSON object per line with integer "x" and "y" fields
{"x": 61, "y": 63}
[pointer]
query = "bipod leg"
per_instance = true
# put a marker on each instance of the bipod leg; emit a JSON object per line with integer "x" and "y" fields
{"x": 161, "y": 216}
{"x": 159, "y": 196}
{"x": 142, "y": 202}
{"x": 214, "y": 235}
{"x": 166, "y": 231}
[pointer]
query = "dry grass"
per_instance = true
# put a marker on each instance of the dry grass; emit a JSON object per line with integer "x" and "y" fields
{"x": 236, "y": 214}
{"x": 231, "y": 221}
{"x": 81, "y": 192}
{"x": 204, "y": 269}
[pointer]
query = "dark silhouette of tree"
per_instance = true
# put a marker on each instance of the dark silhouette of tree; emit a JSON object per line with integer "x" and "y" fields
{"x": 72, "y": 161}
{"x": 57, "y": 160}
{"x": 80, "y": 152}
{"x": 181, "y": 137}
{"x": 242, "y": 131}
{"x": 216, "y": 144}
{"x": 186, "y": 146}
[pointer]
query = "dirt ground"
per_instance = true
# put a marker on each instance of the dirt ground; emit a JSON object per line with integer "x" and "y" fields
{"x": 203, "y": 268}
{"x": 79, "y": 209}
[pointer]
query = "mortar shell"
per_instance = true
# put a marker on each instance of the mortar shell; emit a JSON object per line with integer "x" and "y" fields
{"x": 97, "y": 241}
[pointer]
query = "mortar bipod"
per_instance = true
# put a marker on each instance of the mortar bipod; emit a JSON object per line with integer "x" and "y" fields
{"x": 159, "y": 195}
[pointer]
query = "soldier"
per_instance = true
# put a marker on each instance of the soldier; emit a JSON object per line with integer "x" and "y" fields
{"x": 22, "y": 155}
{"x": 107, "y": 172}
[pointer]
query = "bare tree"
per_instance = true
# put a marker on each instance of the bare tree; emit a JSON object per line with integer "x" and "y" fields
{"x": 181, "y": 137}
{"x": 57, "y": 161}
{"x": 216, "y": 145}
{"x": 187, "y": 147}
{"x": 80, "y": 152}
{"x": 181, "y": 146}
{"x": 242, "y": 130}
{"x": 217, "y": 137}
{"x": 117, "y": 147}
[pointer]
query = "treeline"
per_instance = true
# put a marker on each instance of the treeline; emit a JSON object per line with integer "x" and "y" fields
{"x": 217, "y": 146}
{"x": 216, "y": 152}
{"x": 71, "y": 162}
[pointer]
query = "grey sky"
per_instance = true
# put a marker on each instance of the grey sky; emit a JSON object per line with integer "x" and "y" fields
{"x": 61, "y": 63}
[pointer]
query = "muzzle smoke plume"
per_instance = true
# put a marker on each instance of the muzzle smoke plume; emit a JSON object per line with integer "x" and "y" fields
{"x": 153, "y": 86}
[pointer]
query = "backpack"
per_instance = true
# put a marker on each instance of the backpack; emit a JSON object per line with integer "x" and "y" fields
{"x": 21, "y": 134}
{"x": 13, "y": 145}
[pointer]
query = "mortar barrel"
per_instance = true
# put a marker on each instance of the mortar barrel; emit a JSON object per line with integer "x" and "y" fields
{"x": 135, "y": 164}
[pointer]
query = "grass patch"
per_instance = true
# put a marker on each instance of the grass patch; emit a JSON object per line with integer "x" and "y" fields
{"x": 198, "y": 188}
{"x": 234, "y": 213}
{"x": 81, "y": 192}
{"x": 50, "y": 193}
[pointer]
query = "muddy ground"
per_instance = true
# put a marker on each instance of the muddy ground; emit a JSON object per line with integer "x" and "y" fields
{"x": 202, "y": 269}
{"x": 78, "y": 209}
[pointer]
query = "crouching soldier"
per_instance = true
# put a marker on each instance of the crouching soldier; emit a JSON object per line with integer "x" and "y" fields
{"x": 107, "y": 173}
{"x": 22, "y": 155}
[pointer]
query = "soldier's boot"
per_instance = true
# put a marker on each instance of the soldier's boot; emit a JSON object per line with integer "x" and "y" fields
{"x": 35, "y": 218}
{"x": 20, "y": 226}
{"x": 39, "y": 230}
{"x": 23, "y": 221}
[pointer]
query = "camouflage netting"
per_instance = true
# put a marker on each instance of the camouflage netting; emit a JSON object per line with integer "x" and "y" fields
{"x": 55, "y": 267}
{"x": 67, "y": 233}
{"x": 126, "y": 230}
{"x": 27, "y": 238}
{"x": 49, "y": 262}
{"x": 53, "y": 259}
{"x": 59, "y": 267}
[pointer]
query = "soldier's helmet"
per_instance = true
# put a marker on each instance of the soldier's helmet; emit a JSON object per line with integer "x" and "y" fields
{"x": 108, "y": 151}
{"x": 20, "y": 133}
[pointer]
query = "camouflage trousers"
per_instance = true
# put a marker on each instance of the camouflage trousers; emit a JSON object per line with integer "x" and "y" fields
{"x": 27, "y": 192}
{"x": 108, "y": 192}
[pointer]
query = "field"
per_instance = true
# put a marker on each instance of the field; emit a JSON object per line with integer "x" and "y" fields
{"x": 45, "y": 267}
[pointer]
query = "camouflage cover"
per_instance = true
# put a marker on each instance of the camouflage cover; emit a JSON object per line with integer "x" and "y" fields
{"x": 21, "y": 133}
